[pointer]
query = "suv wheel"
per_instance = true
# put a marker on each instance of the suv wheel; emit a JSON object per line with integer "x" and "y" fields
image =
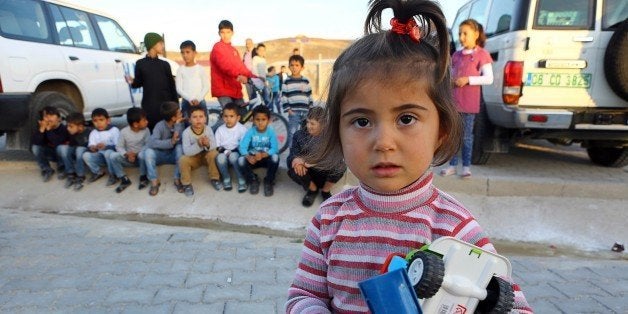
{"x": 608, "y": 156}
{"x": 615, "y": 63}
{"x": 482, "y": 133}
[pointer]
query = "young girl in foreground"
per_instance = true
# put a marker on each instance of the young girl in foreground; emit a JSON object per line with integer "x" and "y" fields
{"x": 390, "y": 117}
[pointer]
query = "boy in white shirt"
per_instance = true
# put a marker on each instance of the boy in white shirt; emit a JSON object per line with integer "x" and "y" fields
{"x": 228, "y": 138}
{"x": 102, "y": 142}
{"x": 191, "y": 81}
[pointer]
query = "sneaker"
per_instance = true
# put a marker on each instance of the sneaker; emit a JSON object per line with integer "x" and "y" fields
{"x": 325, "y": 195}
{"x": 124, "y": 183}
{"x": 47, "y": 174}
{"x": 69, "y": 181}
{"x": 227, "y": 186}
{"x": 78, "y": 183}
{"x": 62, "y": 175}
{"x": 308, "y": 198}
{"x": 268, "y": 189}
{"x": 112, "y": 180}
{"x": 466, "y": 173}
{"x": 95, "y": 176}
{"x": 448, "y": 171}
{"x": 188, "y": 190}
{"x": 242, "y": 188}
{"x": 143, "y": 182}
{"x": 254, "y": 186}
{"x": 216, "y": 184}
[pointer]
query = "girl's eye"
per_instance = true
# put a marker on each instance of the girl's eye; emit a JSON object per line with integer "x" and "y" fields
{"x": 407, "y": 119}
{"x": 361, "y": 122}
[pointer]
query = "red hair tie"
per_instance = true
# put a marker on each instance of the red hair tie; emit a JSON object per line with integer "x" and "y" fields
{"x": 409, "y": 28}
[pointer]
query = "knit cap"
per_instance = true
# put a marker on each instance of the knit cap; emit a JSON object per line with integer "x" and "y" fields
{"x": 151, "y": 39}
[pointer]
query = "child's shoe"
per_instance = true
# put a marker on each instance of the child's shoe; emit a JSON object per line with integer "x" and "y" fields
{"x": 325, "y": 195}
{"x": 188, "y": 190}
{"x": 466, "y": 173}
{"x": 95, "y": 176}
{"x": 154, "y": 189}
{"x": 177, "y": 184}
{"x": 216, "y": 184}
{"x": 227, "y": 186}
{"x": 62, "y": 175}
{"x": 308, "y": 198}
{"x": 268, "y": 189}
{"x": 242, "y": 188}
{"x": 143, "y": 183}
{"x": 254, "y": 186}
{"x": 69, "y": 181}
{"x": 124, "y": 183}
{"x": 112, "y": 180}
{"x": 78, "y": 183}
{"x": 448, "y": 171}
{"x": 46, "y": 175}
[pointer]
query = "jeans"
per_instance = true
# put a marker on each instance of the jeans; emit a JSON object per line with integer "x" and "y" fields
{"x": 61, "y": 155}
{"x": 275, "y": 102}
{"x": 79, "y": 164}
{"x": 95, "y": 160}
{"x": 467, "y": 141}
{"x": 118, "y": 162}
{"x": 294, "y": 122}
{"x": 223, "y": 161}
{"x": 271, "y": 163}
{"x": 186, "y": 107}
{"x": 155, "y": 157}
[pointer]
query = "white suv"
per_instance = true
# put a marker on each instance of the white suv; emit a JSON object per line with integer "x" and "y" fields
{"x": 67, "y": 57}
{"x": 561, "y": 74}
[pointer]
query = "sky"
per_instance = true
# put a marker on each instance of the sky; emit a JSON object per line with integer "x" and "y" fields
{"x": 197, "y": 20}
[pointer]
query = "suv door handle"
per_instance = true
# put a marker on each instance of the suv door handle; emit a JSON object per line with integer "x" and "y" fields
{"x": 586, "y": 39}
{"x": 73, "y": 58}
{"x": 117, "y": 60}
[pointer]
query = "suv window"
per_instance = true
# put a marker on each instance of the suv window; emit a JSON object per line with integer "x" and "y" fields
{"x": 615, "y": 12}
{"x": 564, "y": 14}
{"x": 74, "y": 28}
{"x": 115, "y": 38}
{"x": 23, "y": 20}
{"x": 501, "y": 16}
{"x": 479, "y": 12}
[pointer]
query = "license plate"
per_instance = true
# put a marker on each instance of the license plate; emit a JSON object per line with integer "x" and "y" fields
{"x": 570, "y": 80}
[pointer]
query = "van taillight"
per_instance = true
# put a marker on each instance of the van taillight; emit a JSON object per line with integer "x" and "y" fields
{"x": 513, "y": 82}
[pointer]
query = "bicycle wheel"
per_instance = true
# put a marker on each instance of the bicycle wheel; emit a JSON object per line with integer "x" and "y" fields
{"x": 280, "y": 125}
{"x": 214, "y": 118}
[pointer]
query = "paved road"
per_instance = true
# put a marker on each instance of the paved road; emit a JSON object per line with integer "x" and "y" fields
{"x": 67, "y": 264}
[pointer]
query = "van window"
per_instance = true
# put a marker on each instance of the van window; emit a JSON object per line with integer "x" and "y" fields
{"x": 74, "y": 28}
{"x": 115, "y": 38}
{"x": 564, "y": 14}
{"x": 500, "y": 19}
{"x": 23, "y": 19}
{"x": 615, "y": 12}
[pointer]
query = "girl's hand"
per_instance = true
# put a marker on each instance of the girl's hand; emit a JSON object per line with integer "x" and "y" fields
{"x": 462, "y": 81}
{"x": 43, "y": 125}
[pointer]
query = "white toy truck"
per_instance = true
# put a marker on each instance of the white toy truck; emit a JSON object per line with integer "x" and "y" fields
{"x": 446, "y": 276}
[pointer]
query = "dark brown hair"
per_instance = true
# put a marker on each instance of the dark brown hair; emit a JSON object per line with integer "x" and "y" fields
{"x": 478, "y": 28}
{"x": 393, "y": 58}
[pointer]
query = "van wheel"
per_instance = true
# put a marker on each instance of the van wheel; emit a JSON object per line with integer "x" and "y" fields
{"x": 500, "y": 297}
{"x": 426, "y": 271}
{"x": 609, "y": 156}
{"x": 21, "y": 138}
{"x": 482, "y": 133}
{"x": 615, "y": 63}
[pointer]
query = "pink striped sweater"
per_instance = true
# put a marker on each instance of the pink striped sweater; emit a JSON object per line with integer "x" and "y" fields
{"x": 354, "y": 231}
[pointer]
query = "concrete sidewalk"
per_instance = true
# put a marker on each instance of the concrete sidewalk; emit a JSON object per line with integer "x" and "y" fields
{"x": 64, "y": 264}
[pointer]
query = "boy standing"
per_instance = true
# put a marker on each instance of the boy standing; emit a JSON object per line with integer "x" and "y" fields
{"x": 155, "y": 76}
{"x": 50, "y": 142}
{"x": 199, "y": 148}
{"x": 296, "y": 97}
{"x": 228, "y": 137}
{"x": 259, "y": 148}
{"x": 273, "y": 82}
{"x": 163, "y": 147}
{"x": 79, "y": 139}
{"x": 228, "y": 71}
{"x": 131, "y": 142}
{"x": 102, "y": 142}
{"x": 191, "y": 81}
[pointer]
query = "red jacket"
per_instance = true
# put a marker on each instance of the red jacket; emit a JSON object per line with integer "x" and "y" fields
{"x": 226, "y": 65}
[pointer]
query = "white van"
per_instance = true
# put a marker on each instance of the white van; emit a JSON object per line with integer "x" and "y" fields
{"x": 561, "y": 74}
{"x": 60, "y": 55}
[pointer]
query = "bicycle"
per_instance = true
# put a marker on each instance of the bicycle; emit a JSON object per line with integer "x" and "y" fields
{"x": 277, "y": 121}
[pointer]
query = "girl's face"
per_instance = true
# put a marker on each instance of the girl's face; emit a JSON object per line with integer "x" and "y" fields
{"x": 261, "y": 51}
{"x": 389, "y": 135}
{"x": 313, "y": 127}
{"x": 468, "y": 36}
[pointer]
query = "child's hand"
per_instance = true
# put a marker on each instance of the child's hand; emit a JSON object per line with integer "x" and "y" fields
{"x": 259, "y": 156}
{"x": 43, "y": 125}
{"x": 175, "y": 138}
{"x": 100, "y": 146}
{"x": 462, "y": 81}
{"x": 93, "y": 148}
{"x": 131, "y": 156}
{"x": 242, "y": 79}
{"x": 194, "y": 102}
{"x": 128, "y": 79}
{"x": 251, "y": 159}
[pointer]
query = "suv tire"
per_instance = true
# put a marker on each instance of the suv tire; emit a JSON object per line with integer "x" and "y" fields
{"x": 482, "y": 132}
{"x": 608, "y": 156}
{"x": 615, "y": 63}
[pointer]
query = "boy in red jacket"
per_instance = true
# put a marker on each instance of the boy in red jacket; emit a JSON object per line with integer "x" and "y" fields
{"x": 228, "y": 71}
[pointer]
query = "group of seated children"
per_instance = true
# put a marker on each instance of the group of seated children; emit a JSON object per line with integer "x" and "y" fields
{"x": 107, "y": 150}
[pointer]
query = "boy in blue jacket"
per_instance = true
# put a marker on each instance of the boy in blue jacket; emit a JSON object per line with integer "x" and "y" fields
{"x": 259, "y": 148}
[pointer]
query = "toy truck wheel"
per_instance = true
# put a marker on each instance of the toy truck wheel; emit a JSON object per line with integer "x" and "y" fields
{"x": 500, "y": 297}
{"x": 426, "y": 271}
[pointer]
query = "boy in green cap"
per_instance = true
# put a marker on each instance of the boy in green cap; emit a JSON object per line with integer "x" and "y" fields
{"x": 155, "y": 76}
